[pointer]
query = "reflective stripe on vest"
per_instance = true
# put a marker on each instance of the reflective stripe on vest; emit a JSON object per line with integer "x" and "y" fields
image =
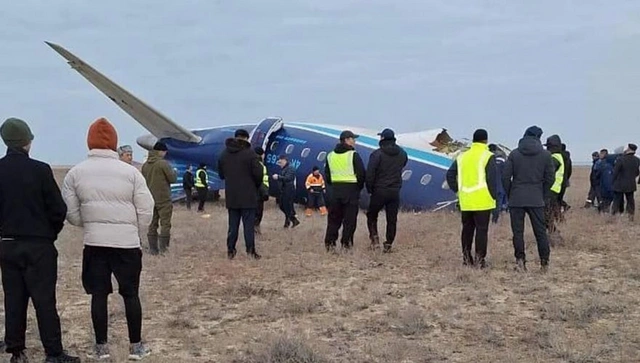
{"x": 199, "y": 183}
{"x": 473, "y": 191}
{"x": 557, "y": 184}
{"x": 265, "y": 177}
{"x": 341, "y": 167}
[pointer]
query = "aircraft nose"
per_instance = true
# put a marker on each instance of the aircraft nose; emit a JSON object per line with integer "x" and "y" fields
{"x": 147, "y": 141}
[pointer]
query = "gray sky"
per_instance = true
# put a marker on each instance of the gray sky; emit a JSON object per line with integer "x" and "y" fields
{"x": 567, "y": 66}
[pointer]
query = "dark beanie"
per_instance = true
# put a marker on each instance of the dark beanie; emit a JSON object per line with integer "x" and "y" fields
{"x": 633, "y": 147}
{"x": 160, "y": 146}
{"x": 16, "y": 133}
{"x": 315, "y": 168}
{"x": 534, "y": 131}
{"x": 480, "y": 135}
{"x": 258, "y": 150}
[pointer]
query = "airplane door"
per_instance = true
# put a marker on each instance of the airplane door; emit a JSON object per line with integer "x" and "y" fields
{"x": 259, "y": 136}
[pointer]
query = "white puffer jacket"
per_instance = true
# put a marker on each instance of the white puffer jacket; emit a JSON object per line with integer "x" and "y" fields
{"x": 109, "y": 199}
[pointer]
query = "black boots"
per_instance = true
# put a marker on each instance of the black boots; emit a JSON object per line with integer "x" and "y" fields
{"x": 253, "y": 254}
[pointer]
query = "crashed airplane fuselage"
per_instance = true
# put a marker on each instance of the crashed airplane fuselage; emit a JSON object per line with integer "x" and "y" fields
{"x": 306, "y": 145}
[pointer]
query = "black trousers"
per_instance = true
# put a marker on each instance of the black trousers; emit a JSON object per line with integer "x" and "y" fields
{"x": 390, "y": 201}
{"x": 98, "y": 264}
{"x": 618, "y": 203}
{"x": 315, "y": 200}
{"x": 538, "y": 223}
{"x": 286, "y": 206}
{"x": 247, "y": 216}
{"x": 343, "y": 211}
{"x": 202, "y": 198}
{"x": 475, "y": 222}
{"x": 259, "y": 212}
{"x": 30, "y": 270}
{"x": 188, "y": 197}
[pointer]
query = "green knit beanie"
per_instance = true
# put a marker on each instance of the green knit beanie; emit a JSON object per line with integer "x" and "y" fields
{"x": 16, "y": 133}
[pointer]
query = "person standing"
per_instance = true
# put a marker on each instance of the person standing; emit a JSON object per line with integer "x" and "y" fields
{"x": 240, "y": 168}
{"x": 345, "y": 175}
{"x": 263, "y": 192}
{"x": 110, "y": 201}
{"x": 159, "y": 176}
{"x": 315, "y": 192}
{"x": 383, "y": 182}
{"x": 568, "y": 170}
{"x": 125, "y": 153}
{"x": 188, "y": 182}
{"x": 604, "y": 177}
{"x": 501, "y": 201}
{"x": 553, "y": 202}
{"x": 286, "y": 179}
{"x": 472, "y": 176}
{"x": 202, "y": 186}
{"x": 527, "y": 177}
{"x": 625, "y": 172}
{"x": 32, "y": 214}
{"x": 593, "y": 195}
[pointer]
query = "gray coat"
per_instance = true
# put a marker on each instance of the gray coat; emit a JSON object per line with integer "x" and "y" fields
{"x": 528, "y": 174}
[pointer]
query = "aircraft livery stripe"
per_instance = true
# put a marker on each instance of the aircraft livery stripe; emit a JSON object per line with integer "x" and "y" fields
{"x": 441, "y": 161}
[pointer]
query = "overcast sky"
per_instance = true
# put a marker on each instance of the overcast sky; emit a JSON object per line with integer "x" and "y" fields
{"x": 571, "y": 67}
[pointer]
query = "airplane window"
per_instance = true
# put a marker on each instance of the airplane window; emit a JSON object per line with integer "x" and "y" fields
{"x": 322, "y": 156}
{"x": 305, "y": 152}
{"x": 406, "y": 174}
{"x": 425, "y": 179}
{"x": 274, "y": 145}
{"x": 289, "y": 149}
{"x": 445, "y": 185}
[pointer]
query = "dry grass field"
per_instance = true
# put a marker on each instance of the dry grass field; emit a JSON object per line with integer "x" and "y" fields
{"x": 418, "y": 304}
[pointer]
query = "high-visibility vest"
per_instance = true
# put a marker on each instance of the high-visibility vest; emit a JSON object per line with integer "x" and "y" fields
{"x": 341, "y": 167}
{"x": 200, "y": 183}
{"x": 557, "y": 184}
{"x": 265, "y": 177}
{"x": 473, "y": 191}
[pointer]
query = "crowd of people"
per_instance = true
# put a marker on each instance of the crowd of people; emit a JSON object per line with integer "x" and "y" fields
{"x": 112, "y": 201}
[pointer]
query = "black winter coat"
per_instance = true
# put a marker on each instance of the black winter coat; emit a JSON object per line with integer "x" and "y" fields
{"x": 187, "y": 180}
{"x": 528, "y": 174}
{"x": 240, "y": 168}
{"x": 286, "y": 180}
{"x": 384, "y": 170}
{"x": 625, "y": 172}
{"x": 31, "y": 205}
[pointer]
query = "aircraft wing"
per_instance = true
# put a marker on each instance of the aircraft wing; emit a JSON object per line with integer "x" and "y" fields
{"x": 156, "y": 123}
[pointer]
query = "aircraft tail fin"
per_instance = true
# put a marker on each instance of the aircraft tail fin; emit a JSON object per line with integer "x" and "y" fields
{"x": 155, "y": 122}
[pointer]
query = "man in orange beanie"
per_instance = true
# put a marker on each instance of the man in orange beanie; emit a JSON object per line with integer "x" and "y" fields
{"x": 32, "y": 215}
{"x": 159, "y": 175}
{"x": 110, "y": 200}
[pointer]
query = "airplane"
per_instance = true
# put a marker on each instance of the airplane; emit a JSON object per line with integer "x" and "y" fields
{"x": 430, "y": 152}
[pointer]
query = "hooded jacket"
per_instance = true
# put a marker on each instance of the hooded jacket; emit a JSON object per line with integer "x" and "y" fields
{"x": 625, "y": 172}
{"x": 554, "y": 146}
{"x": 159, "y": 176}
{"x": 109, "y": 199}
{"x": 342, "y": 189}
{"x": 528, "y": 173}
{"x": 239, "y": 166}
{"x": 287, "y": 179}
{"x": 604, "y": 177}
{"x": 384, "y": 170}
{"x": 31, "y": 205}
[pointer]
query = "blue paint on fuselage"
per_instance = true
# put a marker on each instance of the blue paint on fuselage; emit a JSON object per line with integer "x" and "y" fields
{"x": 306, "y": 146}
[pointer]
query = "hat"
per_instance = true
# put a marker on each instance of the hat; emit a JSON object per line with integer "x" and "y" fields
{"x": 347, "y": 134}
{"x": 16, "y": 133}
{"x": 241, "y": 133}
{"x": 283, "y": 157}
{"x": 102, "y": 135}
{"x": 202, "y": 166}
{"x": 258, "y": 150}
{"x": 480, "y": 135}
{"x": 595, "y": 154}
{"x": 493, "y": 147}
{"x": 125, "y": 149}
{"x": 387, "y": 134}
{"x": 633, "y": 147}
{"x": 315, "y": 168}
{"x": 554, "y": 140}
{"x": 534, "y": 131}
{"x": 160, "y": 146}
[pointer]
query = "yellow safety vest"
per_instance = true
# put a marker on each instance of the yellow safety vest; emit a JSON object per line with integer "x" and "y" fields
{"x": 265, "y": 177}
{"x": 557, "y": 184}
{"x": 198, "y": 182}
{"x": 341, "y": 167}
{"x": 473, "y": 191}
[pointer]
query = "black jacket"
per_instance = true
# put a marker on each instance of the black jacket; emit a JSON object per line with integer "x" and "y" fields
{"x": 528, "y": 174}
{"x": 568, "y": 168}
{"x": 286, "y": 180}
{"x": 187, "y": 180}
{"x": 31, "y": 205}
{"x": 341, "y": 190}
{"x": 384, "y": 171}
{"x": 625, "y": 172}
{"x": 490, "y": 172}
{"x": 240, "y": 168}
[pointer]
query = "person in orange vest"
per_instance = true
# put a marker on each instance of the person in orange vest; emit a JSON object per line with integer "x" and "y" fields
{"x": 315, "y": 192}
